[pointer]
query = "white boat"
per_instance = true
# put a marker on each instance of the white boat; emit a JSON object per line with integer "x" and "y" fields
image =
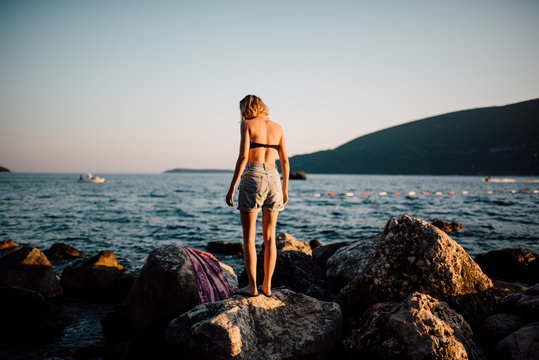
{"x": 92, "y": 178}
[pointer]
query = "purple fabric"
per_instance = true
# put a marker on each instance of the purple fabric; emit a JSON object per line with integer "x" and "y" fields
{"x": 212, "y": 283}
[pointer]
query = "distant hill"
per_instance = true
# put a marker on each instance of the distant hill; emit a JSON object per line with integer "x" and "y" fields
{"x": 501, "y": 140}
{"x": 3, "y": 169}
{"x": 197, "y": 171}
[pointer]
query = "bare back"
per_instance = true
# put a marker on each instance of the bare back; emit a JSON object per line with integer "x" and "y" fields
{"x": 263, "y": 131}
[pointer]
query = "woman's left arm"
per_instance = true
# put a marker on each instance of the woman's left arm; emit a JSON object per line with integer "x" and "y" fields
{"x": 240, "y": 163}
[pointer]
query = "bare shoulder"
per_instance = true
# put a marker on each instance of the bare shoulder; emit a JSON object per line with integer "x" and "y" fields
{"x": 274, "y": 126}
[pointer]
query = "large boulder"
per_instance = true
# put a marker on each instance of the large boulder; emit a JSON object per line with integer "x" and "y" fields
{"x": 510, "y": 265}
{"x": 100, "y": 276}
{"x": 29, "y": 268}
{"x": 350, "y": 261}
{"x": 287, "y": 325}
{"x": 497, "y": 326}
{"x": 420, "y": 327}
{"x": 522, "y": 344}
{"x": 61, "y": 251}
{"x": 26, "y": 315}
{"x": 416, "y": 256}
{"x": 295, "y": 269}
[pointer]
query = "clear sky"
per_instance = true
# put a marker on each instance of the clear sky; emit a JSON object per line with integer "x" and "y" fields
{"x": 145, "y": 86}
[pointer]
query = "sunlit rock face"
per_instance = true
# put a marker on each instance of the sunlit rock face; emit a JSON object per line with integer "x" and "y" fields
{"x": 419, "y": 327}
{"x": 416, "y": 256}
{"x": 288, "y": 325}
{"x": 29, "y": 268}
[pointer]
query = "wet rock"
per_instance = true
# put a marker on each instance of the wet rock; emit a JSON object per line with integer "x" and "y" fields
{"x": 510, "y": 265}
{"x": 165, "y": 288}
{"x": 227, "y": 248}
{"x": 287, "y": 325}
{"x": 286, "y": 242}
{"x": 447, "y": 227}
{"x": 420, "y": 327}
{"x": 521, "y": 344}
{"x": 496, "y": 327}
{"x": 301, "y": 175}
{"x": 29, "y": 268}
{"x": 416, "y": 256}
{"x": 99, "y": 277}
{"x": 61, "y": 251}
{"x": 502, "y": 289}
{"x": 28, "y": 316}
{"x": 7, "y": 244}
{"x": 350, "y": 261}
{"x": 524, "y": 304}
{"x": 323, "y": 253}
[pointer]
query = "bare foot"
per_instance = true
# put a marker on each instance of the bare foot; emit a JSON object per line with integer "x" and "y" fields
{"x": 247, "y": 291}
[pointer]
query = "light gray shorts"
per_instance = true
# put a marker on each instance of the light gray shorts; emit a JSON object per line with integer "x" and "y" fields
{"x": 260, "y": 189}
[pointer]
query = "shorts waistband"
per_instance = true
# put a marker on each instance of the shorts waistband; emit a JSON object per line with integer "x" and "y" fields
{"x": 261, "y": 166}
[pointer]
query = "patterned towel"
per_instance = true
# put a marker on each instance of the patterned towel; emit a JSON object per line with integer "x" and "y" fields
{"x": 212, "y": 283}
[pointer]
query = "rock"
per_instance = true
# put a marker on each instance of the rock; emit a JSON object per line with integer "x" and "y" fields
{"x": 522, "y": 344}
{"x": 27, "y": 316}
{"x": 416, "y": 256}
{"x": 447, "y": 227}
{"x": 301, "y": 175}
{"x": 61, "y": 251}
{"x": 287, "y": 325}
{"x": 502, "y": 289}
{"x": 165, "y": 288}
{"x": 323, "y": 253}
{"x": 510, "y": 265}
{"x": 350, "y": 261}
{"x": 420, "y": 327}
{"x": 525, "y": 304}
{"x": 226, "y": 248}
{"x": 99, "y": 277}
{"x": 315, "y": 244}
{"x": 7, "y": 244}
{"x": 29, "y": 268}
{"x": 286, "y": 242}
{"x": 496, "y": 327}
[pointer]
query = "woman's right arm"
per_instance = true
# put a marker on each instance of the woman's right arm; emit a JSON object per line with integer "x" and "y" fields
{"x": 240, "y": 163}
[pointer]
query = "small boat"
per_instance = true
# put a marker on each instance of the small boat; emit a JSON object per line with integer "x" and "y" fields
{"x": 92, "y": 178}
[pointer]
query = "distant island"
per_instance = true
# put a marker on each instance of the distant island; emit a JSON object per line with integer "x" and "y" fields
{"x": 3, "y": 169}
{"x": 501, "y": 140}
{"x": 197, "y": 171}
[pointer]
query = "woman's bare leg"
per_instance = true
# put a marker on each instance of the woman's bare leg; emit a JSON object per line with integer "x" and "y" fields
{"x": 248, "y": 222}
{"x": 269, "y": 222}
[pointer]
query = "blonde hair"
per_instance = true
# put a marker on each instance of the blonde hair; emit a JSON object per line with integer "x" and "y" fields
{"x": 252, "y": 106}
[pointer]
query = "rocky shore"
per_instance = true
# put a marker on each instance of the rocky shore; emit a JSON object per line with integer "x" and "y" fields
{"x": 411, "y": 292}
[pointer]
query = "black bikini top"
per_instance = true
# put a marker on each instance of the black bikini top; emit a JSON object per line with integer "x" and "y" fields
{"x": 255, "y": 145}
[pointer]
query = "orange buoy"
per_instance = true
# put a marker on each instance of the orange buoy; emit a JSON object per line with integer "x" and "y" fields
{"x": 396, "y": 193}
{"x": 500, "y": 191}
{"x": 366, "y": 193}
{"x": 451, "y": 193}
{"x": 332, "y": 193}
{"x": 425, "y": 192}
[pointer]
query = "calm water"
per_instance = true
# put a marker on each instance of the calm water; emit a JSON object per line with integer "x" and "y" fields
{"x": 134, "y": 214}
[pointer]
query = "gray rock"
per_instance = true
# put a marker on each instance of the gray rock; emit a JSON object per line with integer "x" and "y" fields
{"x": 165, "y": 288}
{"x": 26, "y": 315}
{"x": 287, "y": 325}
{"x": 286, "y": 242}
{"x": 525, "y": 304}
{"x": 416, "y": 256}
{"x": 29, "y": 268}
{"x": 510, "y": 265}
{"x": 350, "y": 261}
{"x": 522, "y": 344}
{"x": 323, "y": 253}
{"x": 420, "y": 327}
{"x": 99, "y": 277}
{"x": 496, "y": 327}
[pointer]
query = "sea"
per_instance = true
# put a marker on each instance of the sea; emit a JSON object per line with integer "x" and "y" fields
{"x": 131, "y": 215}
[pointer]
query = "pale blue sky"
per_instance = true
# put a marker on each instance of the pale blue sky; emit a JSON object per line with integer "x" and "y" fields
{"x": 145, "y": 86}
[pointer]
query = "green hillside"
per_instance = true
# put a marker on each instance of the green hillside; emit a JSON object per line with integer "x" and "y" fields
{"x": 502, "y": 140}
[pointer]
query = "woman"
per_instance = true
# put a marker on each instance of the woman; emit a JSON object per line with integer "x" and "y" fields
{"x": 260, "y": 188}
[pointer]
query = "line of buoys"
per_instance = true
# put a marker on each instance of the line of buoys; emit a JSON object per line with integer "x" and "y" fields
{"x": 425, "y": 192}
